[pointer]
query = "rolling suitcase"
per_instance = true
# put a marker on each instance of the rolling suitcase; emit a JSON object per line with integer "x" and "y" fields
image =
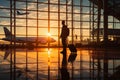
{"x": 73, "y": 53}
{"x": 72, "y": 57}
{"x": 72, "y": 48}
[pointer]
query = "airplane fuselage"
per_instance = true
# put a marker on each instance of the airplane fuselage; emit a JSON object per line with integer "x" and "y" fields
{"x": 41, "y": 40}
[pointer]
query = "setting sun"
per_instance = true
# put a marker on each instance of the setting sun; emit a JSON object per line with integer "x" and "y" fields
{"x": 48, "y": 34}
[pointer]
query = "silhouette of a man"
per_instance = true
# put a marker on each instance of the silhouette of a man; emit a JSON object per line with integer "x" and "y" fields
{"x": 64, "y": 35}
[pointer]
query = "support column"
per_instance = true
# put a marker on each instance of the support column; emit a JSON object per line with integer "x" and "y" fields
{"x": 105, "y": 3}
{"x": 105, "y": 20}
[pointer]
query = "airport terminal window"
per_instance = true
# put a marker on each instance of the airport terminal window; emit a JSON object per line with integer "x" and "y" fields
{"x": 30, "y": 44}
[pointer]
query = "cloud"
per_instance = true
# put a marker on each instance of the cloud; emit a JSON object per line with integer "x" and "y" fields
{"x": 4, "y": 23}
{"x": 54, "y": 1}
{"x": 69, "y": 1}
{"x": 1, "y": 6}
{"x": 42, "y": 15}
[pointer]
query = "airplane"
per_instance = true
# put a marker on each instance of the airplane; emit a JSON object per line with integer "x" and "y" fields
{"x": 20, "y": 13}
{"x": 28, "y": 40}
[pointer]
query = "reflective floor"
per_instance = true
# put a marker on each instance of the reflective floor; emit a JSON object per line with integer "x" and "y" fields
{"x": 50, "y": 64}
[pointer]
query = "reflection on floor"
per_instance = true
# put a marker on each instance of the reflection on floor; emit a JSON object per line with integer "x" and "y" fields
{"x": 50, "y": 64}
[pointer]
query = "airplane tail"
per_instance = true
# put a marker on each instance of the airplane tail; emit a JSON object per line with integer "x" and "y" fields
{"x": 8, "y": 34}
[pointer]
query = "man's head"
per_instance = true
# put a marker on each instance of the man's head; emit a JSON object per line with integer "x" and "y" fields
{"x": 63, "y": 22}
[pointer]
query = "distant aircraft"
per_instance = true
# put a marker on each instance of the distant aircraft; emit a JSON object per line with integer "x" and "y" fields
{"x": 21, "y": 13}
{"x": 28, "y": 40}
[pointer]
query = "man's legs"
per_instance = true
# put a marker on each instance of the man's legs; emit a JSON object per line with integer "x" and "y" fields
{"x": 64, "y": 45}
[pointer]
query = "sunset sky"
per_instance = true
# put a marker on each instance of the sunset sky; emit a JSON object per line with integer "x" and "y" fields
{"x": 43, "y": 17}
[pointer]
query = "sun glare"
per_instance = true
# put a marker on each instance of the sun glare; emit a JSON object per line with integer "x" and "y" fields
{"x": 49, "y": 53}
{"x": 48, "y": 34}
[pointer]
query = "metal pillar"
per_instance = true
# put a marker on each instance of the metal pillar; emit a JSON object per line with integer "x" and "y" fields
{"x": 99, "y": 18}
{"x": 72, "y": 22}
{"x": 11, "y": 74}
{"x": 58, "y": 38}
{"x": 67, "y": 12}
{"x": 81, "y": 23}
{"x": 37, "y": 60}
{"x": 48, "y": 38}
{"x": 105, "y": 20}
{"x": 105, "y": 38}
{"x": 93, "y": 24}
{"x": 26, "y": 37}
{"x": 14, "y": 51}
